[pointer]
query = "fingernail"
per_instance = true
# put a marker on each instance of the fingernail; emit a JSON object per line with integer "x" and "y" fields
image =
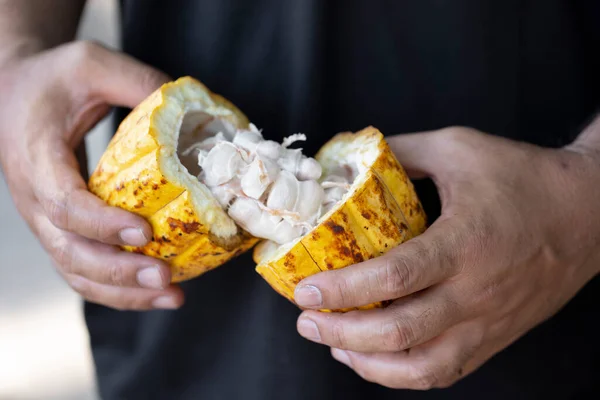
{"x": 308, "y": 328}
{"x": 133, "y": 237}
{"x": 150, "y": 278}
{"x": 341, "y": 356}
{"x": 308, "y": 296}
{"x": 165, "y": 302}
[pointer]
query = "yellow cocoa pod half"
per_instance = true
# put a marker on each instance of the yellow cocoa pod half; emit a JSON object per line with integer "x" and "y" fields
{"x": 380, "y": 211}
{"x": 143, "y": 171}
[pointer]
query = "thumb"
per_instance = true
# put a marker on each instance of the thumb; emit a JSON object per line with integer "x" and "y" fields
{"x": 416, "y": 153}
{"x": 116, "y": 78}
{"x": 425, "y": 154}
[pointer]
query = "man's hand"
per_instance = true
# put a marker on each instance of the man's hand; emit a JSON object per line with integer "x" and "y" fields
{"x": 517, "y": 238}
{"x": 49, "y": 101}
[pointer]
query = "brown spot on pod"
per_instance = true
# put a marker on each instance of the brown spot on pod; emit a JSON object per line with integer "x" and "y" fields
{"x": 166, "y": 239}
{"x": 187, "y": 227}
{"x": 345, "y": 251}
{"x": 335, "y": 228}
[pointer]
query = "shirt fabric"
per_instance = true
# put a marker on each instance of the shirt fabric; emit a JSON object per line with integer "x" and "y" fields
{"x": 522, "y": 69}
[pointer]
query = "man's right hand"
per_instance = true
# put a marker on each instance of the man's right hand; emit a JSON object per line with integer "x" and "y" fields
{"x": 49, "y": 101}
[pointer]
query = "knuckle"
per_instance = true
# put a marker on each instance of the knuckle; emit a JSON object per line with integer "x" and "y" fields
{"x": 459, "y": 140}
{"x": 82, "y": 51}
{"x": 447, "y": 252}
{"x": 58, "y": 212}
{"x": 396, "y": 276}
{"x": 399, "y": 335}
{"x": 423, "y": 378}
{"x": 489, "y": 292}
{"x": 481, "y": 230}
{"x": 99, "y": 231}
{"x": 456, "y": 133}
{"x": 338, "y": 336}
{"x": 98, "y": 228}
{"x": 62, "y": 251}
{"x": 367, "y": 374}
{"x": 450, "y": 377}
{"x": 489, "y": 296}
{"x": 342, "y": 291}
{"x": 448, "y": 382}
{"x": 116, "y": 275}
{"x": 82, "y": 55}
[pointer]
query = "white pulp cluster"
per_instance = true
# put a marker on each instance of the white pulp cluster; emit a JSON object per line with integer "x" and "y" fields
{"x": 271, "y": 191}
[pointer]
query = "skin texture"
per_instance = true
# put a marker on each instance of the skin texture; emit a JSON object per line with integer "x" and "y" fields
{"x": 50, "y": 100}
{"x": 508, "y": 251}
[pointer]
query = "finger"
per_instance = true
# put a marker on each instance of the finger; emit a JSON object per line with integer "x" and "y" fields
{"x": 423, "y": 261}
{"x": 126, "y": 298}
{"x": 112, "y": 76}
{"x": 436, "y": 364}
{"x": 99, "y": 262}
{"x": 63, "y": 195}
{"x": 404, "y": 324}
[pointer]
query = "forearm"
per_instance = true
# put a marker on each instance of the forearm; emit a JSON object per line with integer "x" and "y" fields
{"x": 28, "y": 26}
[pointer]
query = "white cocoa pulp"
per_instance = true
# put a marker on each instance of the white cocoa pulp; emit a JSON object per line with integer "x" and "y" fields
{"x": 270, "y": 190}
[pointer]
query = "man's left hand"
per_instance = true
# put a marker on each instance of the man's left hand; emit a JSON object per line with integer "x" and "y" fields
{"x": 517, "y": 239}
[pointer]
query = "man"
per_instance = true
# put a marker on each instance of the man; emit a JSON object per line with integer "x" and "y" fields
{"x": 496, "y": 300}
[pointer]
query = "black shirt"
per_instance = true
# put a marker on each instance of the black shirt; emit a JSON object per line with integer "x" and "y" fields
{"x": 524, "y": 69}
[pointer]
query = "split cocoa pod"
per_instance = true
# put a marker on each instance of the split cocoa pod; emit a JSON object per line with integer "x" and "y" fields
{"x": 191, "y": 163}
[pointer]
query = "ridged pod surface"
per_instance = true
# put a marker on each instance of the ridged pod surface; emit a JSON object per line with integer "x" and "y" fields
{"x": 380, "y": 212}
{"x": 141, "y": 173}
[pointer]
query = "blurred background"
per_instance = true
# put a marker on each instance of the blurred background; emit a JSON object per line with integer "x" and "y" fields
{"x": 44, "y": 350}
